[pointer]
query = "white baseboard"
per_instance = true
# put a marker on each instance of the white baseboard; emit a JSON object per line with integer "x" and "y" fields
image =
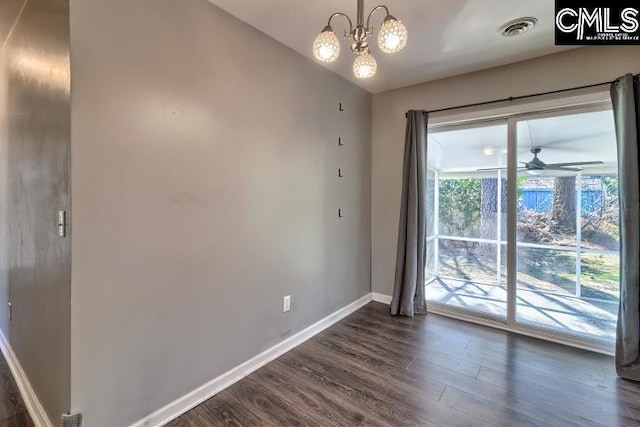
{"x": 208, "y": 390}
{"x": 35, "y": 409}
{"x": 384, "y": 299}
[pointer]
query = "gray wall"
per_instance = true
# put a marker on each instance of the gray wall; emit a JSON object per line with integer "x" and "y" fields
{"x": 205, "y": 189}
{"x": 9, "y": 11}
{"x": 574, "y": 68}
{"x": 35, "y": 269}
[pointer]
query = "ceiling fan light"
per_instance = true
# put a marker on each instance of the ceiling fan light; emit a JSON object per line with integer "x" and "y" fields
{"x": 326, "y": 47}
{"x": 393, "y": 35}
{"x": 535, "y": 171}
{"x": 489, "y": 150}
{"x": 365, "y": 66}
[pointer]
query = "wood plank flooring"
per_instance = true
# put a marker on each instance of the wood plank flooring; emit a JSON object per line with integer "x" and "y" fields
{"x": 13, "y": 412}
{"x": 372, "y": 369}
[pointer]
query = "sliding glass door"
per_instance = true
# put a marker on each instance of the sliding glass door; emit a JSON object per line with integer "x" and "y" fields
{"x": 567, "y": 224}
{"x": 523, "y": 223}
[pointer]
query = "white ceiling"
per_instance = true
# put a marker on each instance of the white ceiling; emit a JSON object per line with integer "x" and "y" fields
{"x": 582, "y": 137}
{"x": 446, "y": 37}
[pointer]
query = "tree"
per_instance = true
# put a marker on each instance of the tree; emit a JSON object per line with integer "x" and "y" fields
{"x": 564, "y": 204}
{"x": 488, "y": 208}
{"x": 459, "y": 206}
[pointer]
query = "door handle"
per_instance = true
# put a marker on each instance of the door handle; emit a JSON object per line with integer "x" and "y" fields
{"x": 62, "y": 224}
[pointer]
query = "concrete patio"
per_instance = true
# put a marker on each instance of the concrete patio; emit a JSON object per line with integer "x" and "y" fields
{"x": 565, "y": 313}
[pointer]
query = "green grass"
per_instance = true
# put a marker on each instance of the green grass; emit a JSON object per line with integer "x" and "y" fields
{"x": 541, "y": 269}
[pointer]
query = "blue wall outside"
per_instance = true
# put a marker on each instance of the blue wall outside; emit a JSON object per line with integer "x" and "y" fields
{"x": 541, "y": 200}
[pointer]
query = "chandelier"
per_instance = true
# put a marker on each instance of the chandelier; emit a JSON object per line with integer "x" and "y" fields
{"x": 391, "y": 39}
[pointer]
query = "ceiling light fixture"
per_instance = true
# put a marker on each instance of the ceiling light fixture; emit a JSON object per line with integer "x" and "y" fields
{"x": 489, "y": 150}
{"x": 392, "y": 38}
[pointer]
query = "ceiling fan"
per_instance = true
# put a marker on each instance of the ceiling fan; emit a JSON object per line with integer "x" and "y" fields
{"x": 537, "y": 166}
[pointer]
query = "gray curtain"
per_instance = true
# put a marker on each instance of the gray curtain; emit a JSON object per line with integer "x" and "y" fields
{"x": 625, "y": 93}
{"x": 408, "y": 292}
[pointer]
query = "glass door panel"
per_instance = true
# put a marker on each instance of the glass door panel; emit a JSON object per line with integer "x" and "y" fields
{"x": 430, "y": 270}
{"x": 566, "y": 224}
{"x": 469, "y": 209}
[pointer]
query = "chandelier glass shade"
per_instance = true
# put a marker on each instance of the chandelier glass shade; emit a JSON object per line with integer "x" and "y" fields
{"x": 392, "y": 38}
{"x": 326, "y": 47}
{"x": 365, "y": 66}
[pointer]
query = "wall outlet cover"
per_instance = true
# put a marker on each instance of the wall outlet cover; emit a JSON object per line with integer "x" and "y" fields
{"x": 286, "y": 303}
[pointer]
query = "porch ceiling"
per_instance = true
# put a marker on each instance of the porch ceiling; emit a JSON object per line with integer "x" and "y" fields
{"x": 572, "y": 138}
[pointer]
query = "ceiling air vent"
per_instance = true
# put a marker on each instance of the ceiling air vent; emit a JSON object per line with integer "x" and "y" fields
{"x": 72, "y": 420}
{"x": 517, "y": 27}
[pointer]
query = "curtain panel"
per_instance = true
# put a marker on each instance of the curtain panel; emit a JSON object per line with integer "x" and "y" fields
{"x": 625, "y": 95}
{"x": 408, "y": 292}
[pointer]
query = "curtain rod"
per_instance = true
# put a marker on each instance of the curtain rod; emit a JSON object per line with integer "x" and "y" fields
{"x": 516, "y": 98}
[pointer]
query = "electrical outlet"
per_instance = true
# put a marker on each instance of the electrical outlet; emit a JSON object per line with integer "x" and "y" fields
{"x": 286, "y": 304}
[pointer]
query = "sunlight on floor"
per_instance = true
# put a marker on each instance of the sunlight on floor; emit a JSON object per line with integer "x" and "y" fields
{"x": 564, "y": 313}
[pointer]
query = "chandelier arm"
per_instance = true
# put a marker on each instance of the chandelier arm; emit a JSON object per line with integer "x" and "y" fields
{"x": 345, "y": 16}
{"x": 375, "y": 9}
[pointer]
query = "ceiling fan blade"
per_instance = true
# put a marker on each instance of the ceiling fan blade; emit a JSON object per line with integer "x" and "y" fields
{"x": 561, "y": 168}
{"x": 497, "y": 169}
{"x": 575, "y": 164}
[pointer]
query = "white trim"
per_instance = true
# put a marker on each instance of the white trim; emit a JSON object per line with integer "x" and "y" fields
{"x": 208, "y": 390}
{"x": 499, "y": 229}
{"x": 384, "y": 299}
{"x": 35, "y": 409}
{"x": 512, "y": 222}
{"x": 585, "y": 99}
{"x": 529, "y": 245}
{"x": 567, "y": 249}
{"x": 579, "y": 235}
{"x": 471, "y": 240}
{"x": 13, "y": 27}
{"x": 436, "y": 222}
{"x": 542, "y": 334}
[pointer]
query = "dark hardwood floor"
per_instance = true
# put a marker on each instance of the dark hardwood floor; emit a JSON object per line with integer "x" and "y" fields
{"x": 13, "y": 413}
{"x": 372, "y": 369}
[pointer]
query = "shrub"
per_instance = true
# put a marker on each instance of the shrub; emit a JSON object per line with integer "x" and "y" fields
{"x": 534, "y": 227}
